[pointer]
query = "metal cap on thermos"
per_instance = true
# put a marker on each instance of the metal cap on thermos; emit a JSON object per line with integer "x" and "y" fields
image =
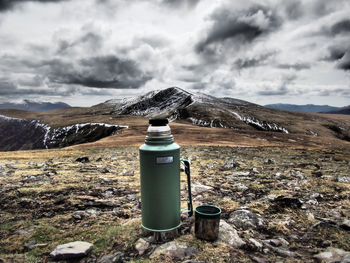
{"x": 158, "y": 128}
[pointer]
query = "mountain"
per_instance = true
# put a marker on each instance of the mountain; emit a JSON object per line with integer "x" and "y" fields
{"x": 197, "y": 108}
{"x": 208, "y": 111}
{"x": 238, "y": 118}
{"x": 34, "y": 106}
{"x": 343, "y": 110}
{"x": 302, "y": 108}
{"x": 23, "y": 134}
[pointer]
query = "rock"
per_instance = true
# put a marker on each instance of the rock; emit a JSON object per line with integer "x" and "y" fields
{"x": 277, "y": 242}
{"x": 287, "y": 202}
{"x": 240, "y": 187}
{"x": 345, "y": 224}
{"x": 174, "y": 249}
{"x": 26, "y": 232}
{"x": 280, "y": 251}
{"x": 114, "y": 258}
{"x": 229, "y": 235}
{"x": 231, "y": 164}
{"x": 256, "y": 245}
{"x": 193, "y": 261}
{"x": 343, "y": 179}
{"x": 141, "y": 246}
{"x": 236, "y": 174}
{"x": 30, "y": 245}
{"x": 333, "y": 255}
{"x": 270, "y": 161}
{"x": 128, "y": 173}
{"x": 72, "y": 250}
{"x": 199, "y": 188}
{"x": 245, "y": 219}
{"x": 258, "y": 260}
{"x": 82, "y": 159}
{"x": 317, "y": 173}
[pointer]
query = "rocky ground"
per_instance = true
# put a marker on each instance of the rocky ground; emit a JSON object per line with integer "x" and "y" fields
{"x": 278, "y": 205}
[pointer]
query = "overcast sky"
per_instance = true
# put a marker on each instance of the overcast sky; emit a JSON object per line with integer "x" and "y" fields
{"x": 84, "y": 52}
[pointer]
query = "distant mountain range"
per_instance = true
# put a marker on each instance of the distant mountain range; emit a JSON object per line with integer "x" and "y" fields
{"x": 303, "y": 108}
{"x": 34, "y": 106}
{"x": 343, "y": 110}
{"x": 69, "y": 126}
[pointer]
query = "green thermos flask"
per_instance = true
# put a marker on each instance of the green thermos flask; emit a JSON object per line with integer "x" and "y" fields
{"x": 160, "y": 179}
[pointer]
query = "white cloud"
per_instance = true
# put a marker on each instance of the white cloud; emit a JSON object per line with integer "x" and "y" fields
{"x": 261, "y": 51}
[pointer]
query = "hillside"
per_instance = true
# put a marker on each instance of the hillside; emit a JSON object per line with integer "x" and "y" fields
{"x": 284, "y": 193}
{"x": 191, "y": 112}
{"x": 344, "y": 110}
{"x": 34, "y": 106}
{"x": 23, "y": 134}
{"x": 302, "y": 108}
{"x": 279, "y": 204}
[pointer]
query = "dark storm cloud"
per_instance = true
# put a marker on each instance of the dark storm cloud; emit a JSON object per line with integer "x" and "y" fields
{"x": 6, "y": 5}
{"x": 340, "y": 27}
{"x": 242, "y": 26}
{"x": 259, "y": 60}
{"x": 99, "y": 72}
{"x": 344, "y": 62}
{"x": 335, "y": 53}
{"x": 341, "y": 55}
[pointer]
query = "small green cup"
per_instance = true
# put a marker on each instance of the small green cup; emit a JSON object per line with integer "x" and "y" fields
{"x": 207, "y": 221}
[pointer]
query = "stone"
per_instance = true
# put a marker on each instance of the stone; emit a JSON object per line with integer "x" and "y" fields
{"x": 199, "y": 188}
{"x": 280, "y": 251}
{"x": 141, "y": 246}
{"x": 332, "y": 255}
{"x": 82, "y": 159}
{"x": 229, "y": 235}
{"x": 258, "y": 260}
{"x": 128, "y": 173}
{"x": 174, "y": 249}
{"x": 345, "y": 224}
{"x": 287, "y": 202}
{"x": 245, "y": 219}
{"x": 256, "y": 244}
{"x": 25, "y": 232}
{"x": 30, "y": 245}
{"x": 317, "y": 173}
{"x": 72, "y": 250}
{"x": 229, "y": 165}
{"x": 114, "y": 258}
{"x": 240, "y": 187}
{"x": 193, "y": 261}
{"x": 237, "y": 174}
{"x": 343, "y": 179}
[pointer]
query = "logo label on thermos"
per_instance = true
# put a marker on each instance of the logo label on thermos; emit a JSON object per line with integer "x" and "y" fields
{"x": 165, "y": 159}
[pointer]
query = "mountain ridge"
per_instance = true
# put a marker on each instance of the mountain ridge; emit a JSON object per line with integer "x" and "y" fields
{"x": 188, "y": 110}
{"x": 303, "y": 108}
{"x": 29, "y": 105}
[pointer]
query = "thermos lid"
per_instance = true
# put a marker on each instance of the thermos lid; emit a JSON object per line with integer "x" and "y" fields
{"x": 158, "y": 121}
{"x": 158, "y": 128}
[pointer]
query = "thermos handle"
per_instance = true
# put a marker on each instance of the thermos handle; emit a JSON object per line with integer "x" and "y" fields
{"x": 189, "y": 201}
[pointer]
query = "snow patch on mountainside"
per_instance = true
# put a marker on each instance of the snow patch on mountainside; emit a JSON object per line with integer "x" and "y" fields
{"x": 263, "y": 125}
